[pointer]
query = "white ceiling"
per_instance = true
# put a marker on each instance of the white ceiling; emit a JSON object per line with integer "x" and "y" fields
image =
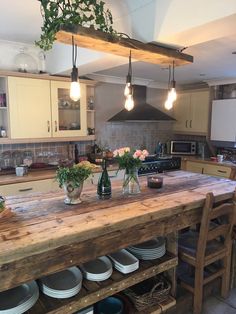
{"x": 207, "y": 28}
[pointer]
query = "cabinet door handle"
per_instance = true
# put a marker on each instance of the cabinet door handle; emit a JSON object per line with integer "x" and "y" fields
{"x": 190, "y": 124}
{"x": 222, "y": 171}
{"x": 24, "y": 190}
{"x": 186, "y": 123}
{"x": 55, "y": 126}
{"x": 48, "y": 126}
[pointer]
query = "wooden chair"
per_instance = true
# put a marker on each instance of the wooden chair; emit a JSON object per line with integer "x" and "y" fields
{"x": 210, "y": 246}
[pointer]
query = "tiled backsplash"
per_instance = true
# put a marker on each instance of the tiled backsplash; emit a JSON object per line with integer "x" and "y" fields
{"x": 41, "y": 152}
{"x": 134, "y": 134}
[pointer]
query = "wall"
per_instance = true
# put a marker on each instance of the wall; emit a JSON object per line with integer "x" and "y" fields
{"x": 109, "y": 100}
{"x": 9, "y": 50}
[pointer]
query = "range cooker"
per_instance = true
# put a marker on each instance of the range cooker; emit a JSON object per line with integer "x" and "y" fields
{"x": 155, "y": 164}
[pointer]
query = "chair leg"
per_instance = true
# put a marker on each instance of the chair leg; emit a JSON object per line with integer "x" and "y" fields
{"x": 198, "y": 290}
{"x": 226, "y": 276}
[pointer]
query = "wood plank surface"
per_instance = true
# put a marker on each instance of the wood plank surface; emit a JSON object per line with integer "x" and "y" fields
{"x": 44, "y": 235}
{"x": 100, "y": 41}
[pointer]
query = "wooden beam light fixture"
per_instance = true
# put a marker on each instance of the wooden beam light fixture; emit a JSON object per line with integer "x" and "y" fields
{"x": 100, "y": 41}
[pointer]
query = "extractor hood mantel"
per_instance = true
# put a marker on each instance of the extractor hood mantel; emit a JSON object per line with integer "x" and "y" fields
{"x": 142, "y": 112}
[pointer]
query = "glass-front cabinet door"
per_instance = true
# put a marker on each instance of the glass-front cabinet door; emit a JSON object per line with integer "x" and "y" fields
{"x": 69, "y": 118}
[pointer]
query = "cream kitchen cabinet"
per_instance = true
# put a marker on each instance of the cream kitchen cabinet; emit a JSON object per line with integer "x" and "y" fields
{"x": 191, "y": 112}
{"x": 211, "y": 169}
{"x": 22, "y": 188}
{"x": 41, "y": 108}
{"x": 194, "y": 167}
{"x": 69, "y": 118}
{"x": 29, "y": 108}
{"x": 223, "y": 126}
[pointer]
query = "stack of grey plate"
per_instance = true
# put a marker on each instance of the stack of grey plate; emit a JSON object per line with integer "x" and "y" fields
{"x": 149, "y": 250}
{"x": 124, "y": 261}
{"x": 97, "y": 270}
{"x": 62, "y": 285}
{"x": 20, "y": 299}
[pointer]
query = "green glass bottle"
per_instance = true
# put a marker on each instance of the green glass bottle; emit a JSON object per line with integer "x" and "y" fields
{"x": 104, "y": 183}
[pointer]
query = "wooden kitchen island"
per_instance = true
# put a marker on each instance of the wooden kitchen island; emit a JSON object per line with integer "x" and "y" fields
{"x": 44, "y": 235}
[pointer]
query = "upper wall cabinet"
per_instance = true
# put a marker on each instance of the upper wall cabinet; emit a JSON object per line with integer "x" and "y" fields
{"x": 69, "y": 118}
{"x": 41, "y": 110}
{"x": 191, "y": 112}
{"x": 29, "y": 108}
{"x": 223, "y": 126}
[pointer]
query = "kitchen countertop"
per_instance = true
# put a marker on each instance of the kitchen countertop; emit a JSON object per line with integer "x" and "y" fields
{"x": 40, "y": 175}
{"x": 44, "y": 235}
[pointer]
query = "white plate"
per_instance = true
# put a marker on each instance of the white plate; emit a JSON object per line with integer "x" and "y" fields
{"x": 20, "y": 299}
{"x": 126, "y": 270}
{"x": 123, "y": 258}
{"x": 99, "y": 266}
{"x": 63, "y": 281}
{"x": 98, "y": 279}
{"x": 46, "y": 291}
{"x": 151, "y": 244}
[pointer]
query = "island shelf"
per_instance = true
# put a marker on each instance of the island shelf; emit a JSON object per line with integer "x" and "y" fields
{"x": 93, "y": 292}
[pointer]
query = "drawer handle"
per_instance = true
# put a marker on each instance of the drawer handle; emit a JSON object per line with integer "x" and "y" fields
{"x": 186, "y": 123}
{"x": 48, "y": 126}
{"x": 55, "y": 126}
{"x": 27, "y": 189}
{"x": 222, "y": 171}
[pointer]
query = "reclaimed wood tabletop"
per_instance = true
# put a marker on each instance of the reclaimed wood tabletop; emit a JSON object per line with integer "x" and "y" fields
{"x": 44, "y": 235}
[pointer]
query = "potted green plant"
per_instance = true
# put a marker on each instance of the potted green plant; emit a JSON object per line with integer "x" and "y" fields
{"x": 71, "y": 179}
{"x": 58, "y": 13}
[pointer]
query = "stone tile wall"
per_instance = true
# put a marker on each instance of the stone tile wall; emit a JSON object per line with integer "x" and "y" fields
{"x": 134, "y": 134}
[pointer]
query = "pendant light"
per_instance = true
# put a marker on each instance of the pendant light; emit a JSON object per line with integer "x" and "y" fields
{"x": 128, "y": 92}
{"x": 75, "y": 85}
{"x": 172, "y": 92}
{"x": 171, "y": 96}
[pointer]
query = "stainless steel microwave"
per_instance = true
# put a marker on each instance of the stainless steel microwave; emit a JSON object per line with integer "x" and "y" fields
{"x": 183, "y": 147}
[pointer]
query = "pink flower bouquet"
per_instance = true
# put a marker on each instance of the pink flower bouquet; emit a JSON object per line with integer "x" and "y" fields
{"x": 128, "y": 159}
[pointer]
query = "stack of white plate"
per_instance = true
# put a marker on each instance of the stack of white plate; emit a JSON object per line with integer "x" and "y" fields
{"x": 19, "y": 300}
{"x": 62, "y": 285}
{"x": 124, "y": 261}
{"x": 97, "y": 270}
{"x": 88, "y": 310}
{"x": 149, "y": 250}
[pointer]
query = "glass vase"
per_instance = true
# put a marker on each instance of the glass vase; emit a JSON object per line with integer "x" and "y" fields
{"x": 131, "y": 182}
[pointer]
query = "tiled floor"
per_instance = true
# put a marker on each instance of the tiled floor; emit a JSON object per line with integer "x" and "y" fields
{"x": 217, "y": 305}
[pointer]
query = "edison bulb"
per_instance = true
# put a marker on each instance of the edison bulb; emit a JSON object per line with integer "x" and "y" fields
{"x": 75, "y": 91}
{"x": 129, "y": 103}
{"x": 127, "y": 90}
{"x": 172, "y": 94}
{"x": 168, "y": 104}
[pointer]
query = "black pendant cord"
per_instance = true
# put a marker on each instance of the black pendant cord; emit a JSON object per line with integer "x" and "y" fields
{"x": 74, "y": 53}
{"x": 169, "y": 78}
{"x": 173, "y": 70}
{"x": 74, "y": 73}
{"x": 130, "y": 65}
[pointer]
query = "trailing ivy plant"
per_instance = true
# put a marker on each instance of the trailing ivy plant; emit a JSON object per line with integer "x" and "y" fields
{"x": 87, "y": 13}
